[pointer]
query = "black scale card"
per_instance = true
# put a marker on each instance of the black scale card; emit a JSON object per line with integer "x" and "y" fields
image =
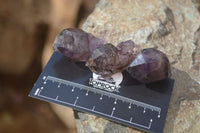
{"x": 136, "y": 105}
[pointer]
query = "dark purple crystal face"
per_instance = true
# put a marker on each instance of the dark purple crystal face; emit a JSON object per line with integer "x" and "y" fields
{"x": 76, "y": 44}
{"x": 150, "y": 65}
{"x": 107, "y": 59}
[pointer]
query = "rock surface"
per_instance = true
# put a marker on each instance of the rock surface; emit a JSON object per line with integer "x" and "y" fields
{"x": 188, "y": 113}
{"x": 173, "y": 27}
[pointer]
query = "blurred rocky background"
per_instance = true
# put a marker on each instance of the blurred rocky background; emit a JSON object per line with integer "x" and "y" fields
{"x": 27, "y": 32}
{"x": 28, "y": 29}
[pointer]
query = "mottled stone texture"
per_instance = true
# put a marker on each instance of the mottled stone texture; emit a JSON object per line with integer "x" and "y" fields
{"x": 170, "y": 26}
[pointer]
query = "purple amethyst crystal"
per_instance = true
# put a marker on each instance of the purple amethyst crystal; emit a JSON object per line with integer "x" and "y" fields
{"x": 76, "y": 44}
{"x": 107, "y": 59}
{"x": 150, "y": 65}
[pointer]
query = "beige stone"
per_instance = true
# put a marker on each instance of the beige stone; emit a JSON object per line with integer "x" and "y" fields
{"x": 188, "y": 118}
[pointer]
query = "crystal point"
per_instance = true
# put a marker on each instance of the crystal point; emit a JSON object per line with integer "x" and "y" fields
{"x": 149, "y": 66}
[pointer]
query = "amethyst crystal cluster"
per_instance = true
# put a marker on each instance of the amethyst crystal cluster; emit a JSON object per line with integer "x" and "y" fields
{"x": 146, "y": 66}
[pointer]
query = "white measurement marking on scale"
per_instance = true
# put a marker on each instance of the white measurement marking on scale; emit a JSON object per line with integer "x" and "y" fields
{"x": 115, "y": 101}
{"x": 159, "y": 114}
{"x": 129, "y": 106}
{"x": 57, "y": 97}
{"x": 59, "y": 85}
{"x": 151, "y": 120}
{"x": 136, "y": 124}
{"x": 112, "y": 111}
{"x": 101, "y": 97}
{"x": 73, "y": 89}
{"x": 86, "y": 93}
{"x": 93, "y": 108}
{"x": 76, "y": 101}
{"x": 144, "y": 110}
{"x": 39, "y": 92}
{"x": 130, "y": 119}
{"x": 44, "y": 77}
{"x": 36, "y": 92}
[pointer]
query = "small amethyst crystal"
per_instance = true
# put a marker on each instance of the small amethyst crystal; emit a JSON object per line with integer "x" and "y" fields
{"x": 150, "y": 65}
{"x": 107, "y": 59}
{"x": 76, "y": 44}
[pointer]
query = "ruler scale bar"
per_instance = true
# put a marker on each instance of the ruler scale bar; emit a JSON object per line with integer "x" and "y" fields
{"x": 147, "y": 127}
{"x": 104, "y": 93}
{"x": 68, "y": 84}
